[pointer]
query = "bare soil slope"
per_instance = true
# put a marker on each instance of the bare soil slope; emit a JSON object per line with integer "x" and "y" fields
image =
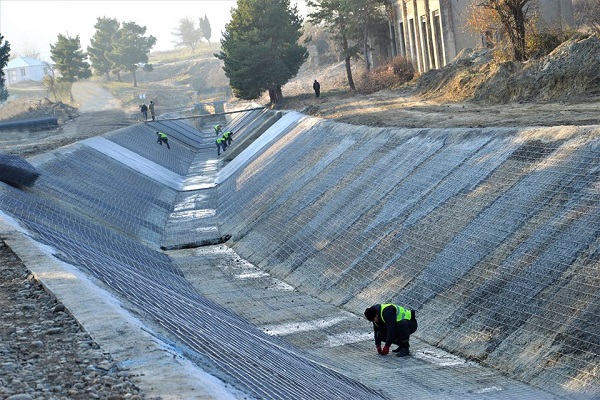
{"x": 562, "y": 88}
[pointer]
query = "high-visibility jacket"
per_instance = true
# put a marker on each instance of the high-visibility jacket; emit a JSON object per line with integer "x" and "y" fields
{"x": 162, "y": 135}
{"x": 401, "y": 312}
{"x": 220, "y": 140}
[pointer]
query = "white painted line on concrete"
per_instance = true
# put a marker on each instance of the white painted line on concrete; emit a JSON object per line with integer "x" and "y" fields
{"x": 344, "y": 338}
{"x": 136, "y": 162}
{"x": 439, "y": 357}
{"x": 303, "y": 326}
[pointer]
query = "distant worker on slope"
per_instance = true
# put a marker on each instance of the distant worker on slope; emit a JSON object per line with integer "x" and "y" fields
{"x": 151, "y": 107}
{"x": 220, "y": 145}
{"x": 162, "y": 138}
{"x": 228, "y": 136}
{"x": 218, "y": 129}
{"x": 392, "y": 324}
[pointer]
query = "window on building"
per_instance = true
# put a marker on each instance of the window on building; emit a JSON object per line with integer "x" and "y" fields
{"x": 23, "y": 72}
{"x": 425, "y": 43}
{"x": 402, "y": 39}
{"x": 437, "y": 40}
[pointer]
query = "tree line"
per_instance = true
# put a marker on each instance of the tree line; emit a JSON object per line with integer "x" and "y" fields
{"x": 115, "y": 48}
{"x": 260, "y": 46}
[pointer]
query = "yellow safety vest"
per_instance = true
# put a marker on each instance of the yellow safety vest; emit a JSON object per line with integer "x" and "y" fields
{"x": 401, "y": 312}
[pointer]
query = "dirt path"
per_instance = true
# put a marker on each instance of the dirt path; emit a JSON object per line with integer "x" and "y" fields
{"x": 99, "y": 112}
{"x": 92, "y": 98}
{"x": 393, "y": 108}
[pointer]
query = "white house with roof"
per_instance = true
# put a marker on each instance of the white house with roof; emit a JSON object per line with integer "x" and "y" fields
{"x": 26, "y": 69}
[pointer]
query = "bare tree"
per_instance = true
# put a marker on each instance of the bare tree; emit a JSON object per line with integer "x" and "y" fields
{"x": 587, "y": 13}
{"x": 28, "y": 49}
{"x": 512, "y": 15}
{"x": 188, "y": 35}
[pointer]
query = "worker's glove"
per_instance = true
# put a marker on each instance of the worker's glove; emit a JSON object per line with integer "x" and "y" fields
{"x": 379, "y": 351}
{"x": 385, "y": 350}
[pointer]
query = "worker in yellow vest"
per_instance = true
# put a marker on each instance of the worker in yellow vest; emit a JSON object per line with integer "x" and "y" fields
{"x": 228, "y": 137}
{"x": 220, "y": 145}
{"x": 162, "y": 138}
{"x": 394, "y": 325}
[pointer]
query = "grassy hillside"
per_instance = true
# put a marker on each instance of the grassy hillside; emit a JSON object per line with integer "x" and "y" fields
{"x": 178, "y": 80}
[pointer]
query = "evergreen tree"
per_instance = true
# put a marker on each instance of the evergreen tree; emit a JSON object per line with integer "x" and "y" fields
{"x": 188, "y": 34}
{"x": 101, "y": 45}
{"x": 130, "y": 48}
{"x": 4, "y": 56}
{"x": 69, "y": 60}
{"x": 337, "y": 18}
{"x": 205, "y": 28}
{"x": 260, "y": 48}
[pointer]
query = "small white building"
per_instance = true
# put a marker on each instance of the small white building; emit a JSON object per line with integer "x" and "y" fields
{"x": 26, "y": 69}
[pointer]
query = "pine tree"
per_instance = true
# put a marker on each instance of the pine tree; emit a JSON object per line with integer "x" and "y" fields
{"x": 205, "y": 28}
{"x": 260, "y": 48}
{"x": 69, "y": 60}
{"x": 101, "y": 45}
{"x": 130, "y": 48}
{"x": 4, "y": 56}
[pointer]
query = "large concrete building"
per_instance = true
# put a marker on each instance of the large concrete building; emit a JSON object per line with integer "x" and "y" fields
{"x": 432, "y": 32}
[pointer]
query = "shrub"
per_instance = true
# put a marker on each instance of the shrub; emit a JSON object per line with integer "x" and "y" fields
{"x": 387, "y": 76}
{"x": 541, "y": 40}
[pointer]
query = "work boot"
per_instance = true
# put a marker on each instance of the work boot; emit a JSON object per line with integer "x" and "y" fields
{"x": 402, "y": 350}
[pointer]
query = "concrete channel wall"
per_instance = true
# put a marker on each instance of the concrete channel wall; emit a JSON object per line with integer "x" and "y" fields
{"x": 256, "y": 267}
{"x": 492, "y": 235}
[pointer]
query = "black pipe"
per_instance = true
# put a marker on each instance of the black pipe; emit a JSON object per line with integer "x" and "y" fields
{"x": 45, "y": 122}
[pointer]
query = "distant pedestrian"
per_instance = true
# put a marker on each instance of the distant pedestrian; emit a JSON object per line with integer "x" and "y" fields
{"x": 317, "y": 88}
{"x": 228, "y": 136}
{"x": 144, "y": 110}
{"x": 221, "y": 145}
{"x": 162, "y": 138}
{"x": 152, "y": 114}
{"x": 218, "y": 129}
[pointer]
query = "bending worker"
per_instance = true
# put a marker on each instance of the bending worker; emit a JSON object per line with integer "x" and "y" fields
{"x": 162, "y": 138}
{"x": 227, "y": 136}
{"x": 394, "y": 324}
{"x": 218, "y": 129}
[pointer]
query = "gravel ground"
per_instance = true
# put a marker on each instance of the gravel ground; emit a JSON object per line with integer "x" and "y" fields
{"x": 44, "y": 353}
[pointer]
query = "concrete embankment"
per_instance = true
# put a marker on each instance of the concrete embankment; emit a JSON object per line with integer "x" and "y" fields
{"x": 256, "y": 267}
{"x": 492, "y": 235}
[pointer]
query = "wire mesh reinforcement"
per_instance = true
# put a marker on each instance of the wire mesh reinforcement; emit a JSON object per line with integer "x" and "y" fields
{"x": 491, "y": 235}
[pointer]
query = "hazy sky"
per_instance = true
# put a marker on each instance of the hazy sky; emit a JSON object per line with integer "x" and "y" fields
{"x": 34, "y": 24}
